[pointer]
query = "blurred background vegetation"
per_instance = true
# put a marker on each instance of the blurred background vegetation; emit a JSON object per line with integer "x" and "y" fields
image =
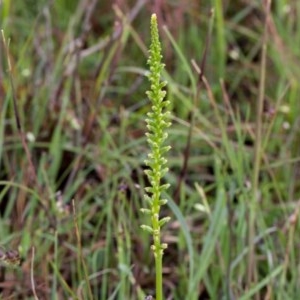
{"x": 69, "y": 208}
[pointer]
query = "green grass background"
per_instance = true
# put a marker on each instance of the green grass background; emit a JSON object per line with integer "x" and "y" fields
{"x": 79, "y": 73}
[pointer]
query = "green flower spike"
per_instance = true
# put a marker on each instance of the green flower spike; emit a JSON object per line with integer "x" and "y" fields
{"x": 157, "y": 123}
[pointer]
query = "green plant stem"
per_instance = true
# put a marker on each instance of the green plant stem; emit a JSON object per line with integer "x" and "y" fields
{"x": 158, "y": 276}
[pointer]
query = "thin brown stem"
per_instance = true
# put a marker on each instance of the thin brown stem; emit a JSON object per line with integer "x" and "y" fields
{"x": 186, "y": 153}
